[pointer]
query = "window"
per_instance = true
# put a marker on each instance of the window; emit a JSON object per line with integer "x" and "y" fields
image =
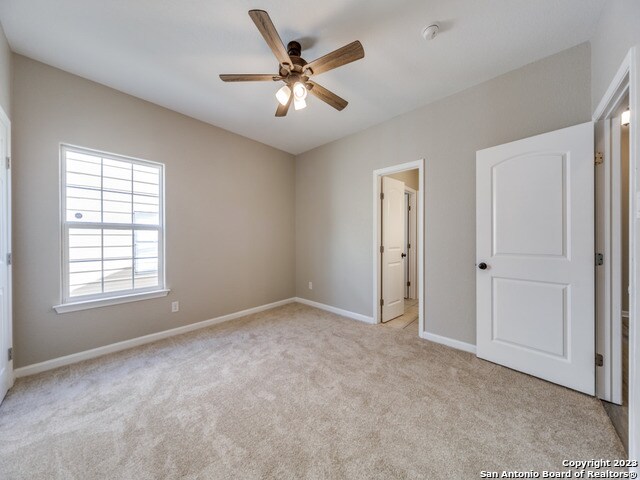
{"x": 112, "y": 225}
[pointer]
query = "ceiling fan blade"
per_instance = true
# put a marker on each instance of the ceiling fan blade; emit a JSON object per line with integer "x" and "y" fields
{"x": 283, "y": 109}
{"x": 327, "y": 96}
{"x": 337, "y": 58}
{"x": 270, "y": 34}
{"x": 249, "y": 77}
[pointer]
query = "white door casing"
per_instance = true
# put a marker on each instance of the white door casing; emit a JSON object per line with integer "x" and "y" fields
{"x": 535, "y": 233}
{"x": 615, "y": 307}
{"x": 608, "y": 242}
{"x": 6, "y": 365}
{"x": 393, "y": 227}
{"x": 603, "y": 273}
{"x": 412, "y": 252}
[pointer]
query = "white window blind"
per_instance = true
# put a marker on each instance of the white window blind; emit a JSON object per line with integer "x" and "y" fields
{"x": 112, "y": 222}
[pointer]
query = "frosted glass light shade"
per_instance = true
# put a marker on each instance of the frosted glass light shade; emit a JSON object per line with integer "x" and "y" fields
{"x": 299, "y": 91}
{"x": 283, "y": 95}
{"x": 299, "y": 103}
{"x": 625, "y": 118}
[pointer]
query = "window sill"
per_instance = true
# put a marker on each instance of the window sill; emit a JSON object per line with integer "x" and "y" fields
{"x": 105, "y": 302}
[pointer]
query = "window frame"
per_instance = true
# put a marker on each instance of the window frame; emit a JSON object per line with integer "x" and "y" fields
{"x": 80, "y": 302}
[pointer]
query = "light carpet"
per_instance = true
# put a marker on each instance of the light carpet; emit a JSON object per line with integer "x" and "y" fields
{"x": 293, "y": 393}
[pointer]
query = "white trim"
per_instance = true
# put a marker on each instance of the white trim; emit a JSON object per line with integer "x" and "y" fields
{"x": 609, "y": 243}
{"x": 336, "y": 310}
{"x": 449, "y": 342}
{"x": 401, "y": 167}
{"x": 614, "y": 253}
{"x": 105, "y": 302}
{"x": 135, "y": 342}
{"x": 412, "y": 257}
{"x": 377, "y": 261}
{"x": 634, "y": 250}
{"x": 617, "y": 89}
{"x": 4, "y": 119}
{"x": 627, "y": 78}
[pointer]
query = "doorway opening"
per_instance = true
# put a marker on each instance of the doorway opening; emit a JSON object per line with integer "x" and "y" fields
{"x": 623, "y": 91}
{"x": 613, "y": 262}
{"x": 398, "y": 271}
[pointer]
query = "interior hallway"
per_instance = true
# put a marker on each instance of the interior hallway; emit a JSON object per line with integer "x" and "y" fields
{"x": 410, "y": 317}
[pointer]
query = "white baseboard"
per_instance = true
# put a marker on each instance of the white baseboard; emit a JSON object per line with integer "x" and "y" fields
{"x": 134, "y": 342}
{"x": 336, "y": 310}
{"x": 153, "y": 337}
{"x": 449, "y": 342}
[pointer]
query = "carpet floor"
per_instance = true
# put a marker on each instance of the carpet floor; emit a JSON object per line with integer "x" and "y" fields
{"x": 294, "y": 393}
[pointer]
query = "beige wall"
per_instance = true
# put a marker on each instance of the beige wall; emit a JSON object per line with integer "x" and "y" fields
{"x": 334, "y": 186}
{"x": 5, "y": 74}
{"x": 411, "y": 178}
{"x": 229, "y": 241}
{"x": 617, "y": 30}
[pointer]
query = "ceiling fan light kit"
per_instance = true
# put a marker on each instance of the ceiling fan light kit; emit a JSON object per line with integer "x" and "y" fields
{"x": 283, "y": 95}
{"x": 294, "y": 71}
{"x": 299, "y": 103}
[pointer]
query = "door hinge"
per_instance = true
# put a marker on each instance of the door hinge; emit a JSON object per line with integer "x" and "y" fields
{"x": 381, "y": 302}
{"x": 599, "y": 360}
{"x": 9, "y": 259}
{"x": 381, "y": 249}
{"x": 10, "y": 353}
{"x": 381, "y": 196}
{"x": 409, "y": 245}
{"x": 408, "y": 284}
{"x": 599, "y": 159}
{"x": 409, "y": 207}
{"x": 8, "y": 162}
{"x": 599, "y": 259}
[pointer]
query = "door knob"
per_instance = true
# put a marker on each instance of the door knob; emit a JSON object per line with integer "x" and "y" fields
{"x": 482, "y": 266}
{"x": 403, "y": 255}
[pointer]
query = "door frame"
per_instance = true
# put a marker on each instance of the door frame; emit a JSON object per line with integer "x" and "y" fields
{"x": 412, "y": 259}
{"x": 627, "y": 81}
{"x": 4, "y": 119}
{"x": 608, "y": 230}
{"x": 377, "y": 236}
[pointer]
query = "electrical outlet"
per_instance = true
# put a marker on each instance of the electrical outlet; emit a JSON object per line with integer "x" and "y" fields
{"x": 175, "y": 306}
{"x": 310, "y": 285}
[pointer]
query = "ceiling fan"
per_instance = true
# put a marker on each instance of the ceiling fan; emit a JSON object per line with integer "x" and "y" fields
{"x": 294, "y": 71}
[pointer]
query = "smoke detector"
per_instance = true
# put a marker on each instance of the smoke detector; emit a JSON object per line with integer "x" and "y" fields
{"x": 430, "y": 32}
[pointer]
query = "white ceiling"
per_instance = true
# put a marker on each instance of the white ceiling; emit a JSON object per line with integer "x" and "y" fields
{"x": 171, "y": 52}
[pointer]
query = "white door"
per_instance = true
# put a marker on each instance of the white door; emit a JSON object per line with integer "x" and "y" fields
{"x": 393, "y": 225}
{"x": 535, "y": 256}
{"x": 6, "y": 365}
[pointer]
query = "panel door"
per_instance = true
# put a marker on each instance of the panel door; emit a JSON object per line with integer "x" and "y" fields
{"x": 535, "y": 256}
{"x": 393, "y": 226}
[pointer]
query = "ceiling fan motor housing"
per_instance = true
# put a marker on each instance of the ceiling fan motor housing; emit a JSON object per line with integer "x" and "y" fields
{"x": 294, "y": 49}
